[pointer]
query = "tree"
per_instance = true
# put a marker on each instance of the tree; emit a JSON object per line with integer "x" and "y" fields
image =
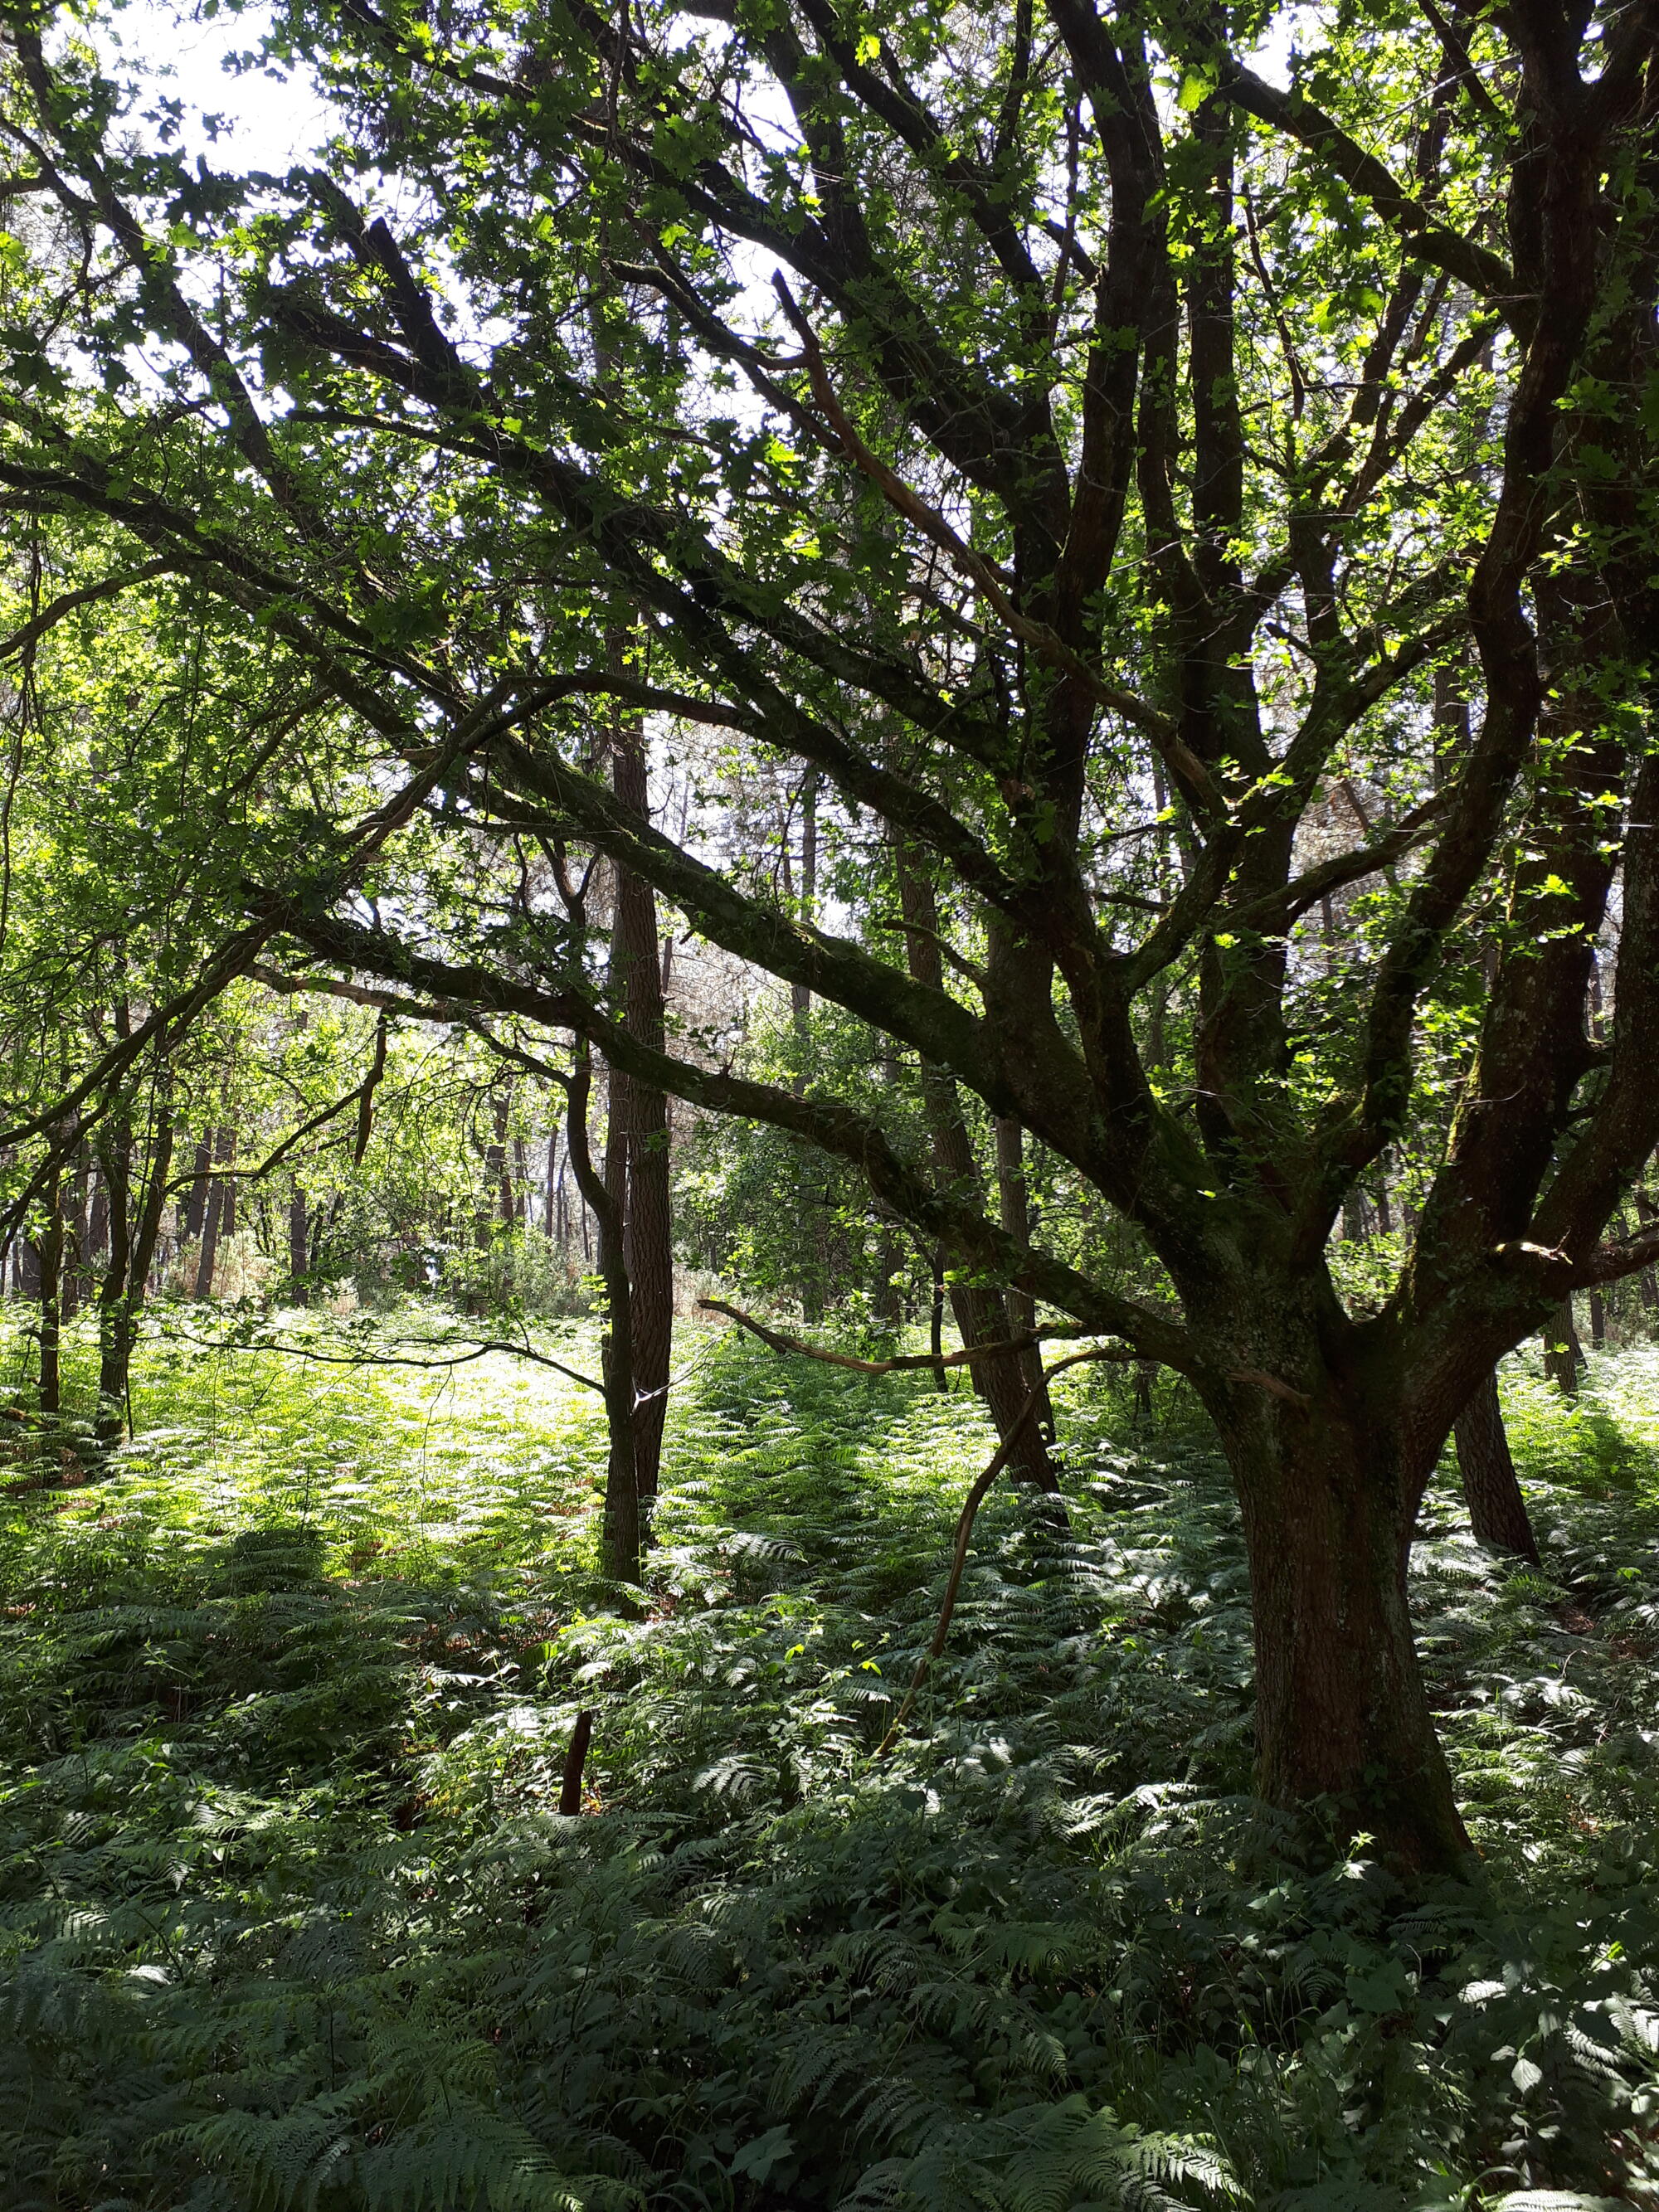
{"x": 1130, "y": 439}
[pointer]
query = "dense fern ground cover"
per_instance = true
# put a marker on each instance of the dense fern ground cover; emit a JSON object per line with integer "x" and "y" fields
{"x": 291, "y": 1917}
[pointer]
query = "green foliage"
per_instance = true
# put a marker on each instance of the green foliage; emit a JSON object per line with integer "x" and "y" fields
{"x": 290, "y": 1919}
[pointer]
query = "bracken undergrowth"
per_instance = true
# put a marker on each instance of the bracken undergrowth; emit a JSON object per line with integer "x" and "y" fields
{"x": 289, "y": 1915}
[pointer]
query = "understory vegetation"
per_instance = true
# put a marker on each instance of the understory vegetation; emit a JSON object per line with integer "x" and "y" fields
{"x": 291, "y": 1917}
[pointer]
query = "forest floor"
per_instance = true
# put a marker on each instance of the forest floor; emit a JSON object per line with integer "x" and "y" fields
{"x": 290, "y": 1917}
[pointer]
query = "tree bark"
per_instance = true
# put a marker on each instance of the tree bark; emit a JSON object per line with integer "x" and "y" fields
{"x": 1498, "y": 1511}
{"x": 193, "y": 1212}
{"x": 298, "y": 1245}
{"x": 216, "y": 1217}
{"x": 51, "y": 1277}
{"x": 622, "y": 1533}
{"x": 1342, "y": 1716}
{"x": 639, "y": 1124}
{"x": 1563, "y": 1354}
{"x": 1014, "y": 1197}
{"x": 132, "y": 1248}
{"x": 979, "y": 1308}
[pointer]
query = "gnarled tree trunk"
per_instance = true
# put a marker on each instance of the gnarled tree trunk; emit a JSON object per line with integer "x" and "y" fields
{"x": 1342, "y": 1716}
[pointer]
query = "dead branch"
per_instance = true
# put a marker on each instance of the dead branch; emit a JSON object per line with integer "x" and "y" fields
{"x": 971, "y": 1504}
{"x": 904, "y": 1361}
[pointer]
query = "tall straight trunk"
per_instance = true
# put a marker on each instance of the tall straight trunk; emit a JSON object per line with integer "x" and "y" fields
{"x": 1647, "y": 1283}
{"x": 981, "y": 1310}
{"x": 218, "y": 1216}
{"x": 1014, "y": 1197}
{"x": 621, "y": 1530}
{"x": 498, "y": 1176}
{"x": 800, "y": 998}
{"x": 76, "y": 1233}
{"x": 298, "y": 1245}
{"x": 1342, "y": 1715}
{"x": 1563, "y": 1354}
{"x": 116, "y": 1160}
{"x": 1498, "y": 1511}
{"x": 52, "y": 1278}
{"x": 193, "y": 1208}
{"x": 132, "y": 1251}
{"x": 936, "y": 1318}
{"x": 639, "y": 1120}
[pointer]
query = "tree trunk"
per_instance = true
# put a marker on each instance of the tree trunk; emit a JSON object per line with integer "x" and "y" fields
{"x": 217, "y": 1217}
{"x": 116, "y": 1161}
{"x": 498, "y": 1176}
{"x": 621, "y": 1539}
{"x": 639, "y": 1120}
{"x": 193, "y": 1212}
{"x": 132, "y": 1248}
{"x": 1341, "y": 1712}
{"x": 1647, "y": 1283}
{"x": 981, "y": 1310}
{"x": 1016, "y": 1207}
{"x": 1497, "y": 1512}
{"x": 51, "y": 1280}
{"x": 298, "y": 1245}
{"x": 1564, "y": 1355}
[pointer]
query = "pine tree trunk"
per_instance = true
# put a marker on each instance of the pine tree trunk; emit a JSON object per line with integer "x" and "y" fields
{"x": 1497, "y": 1512}
{"x": 1341, "y": 1711}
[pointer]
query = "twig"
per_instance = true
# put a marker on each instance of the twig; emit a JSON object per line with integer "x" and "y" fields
{"x": 971, "y": 1504}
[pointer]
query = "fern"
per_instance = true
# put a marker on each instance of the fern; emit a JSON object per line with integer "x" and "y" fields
{"x": 288, "y": 1917}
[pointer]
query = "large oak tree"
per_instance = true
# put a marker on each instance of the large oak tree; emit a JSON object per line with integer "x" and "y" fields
{"x": 1109, "y": 469}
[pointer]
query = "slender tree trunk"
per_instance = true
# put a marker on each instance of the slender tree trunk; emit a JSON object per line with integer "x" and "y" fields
{"x": 801, "y": 998}
{"x": 218, "y": 1216}
{"x": 52, "y": 1278}
{"x": 815, "y": 1289}
{"x": 621, "y": 1530}
{"x": 639, "y": 1122}
{"x": 76, "y": 1237}
{"x": 1498, "y": 1511}
{"x": 1016, "y": 1207}
{"x": 1341, "y": 1711}
{"x": 1563, "y": 1354}
{"x": 194, "y": 1209}
{"x": 298, "y": 1245}
{"x": 1647, "y": 1282}
{"x": 936, "y": 1317}
{"x": 116, "y": 1160}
